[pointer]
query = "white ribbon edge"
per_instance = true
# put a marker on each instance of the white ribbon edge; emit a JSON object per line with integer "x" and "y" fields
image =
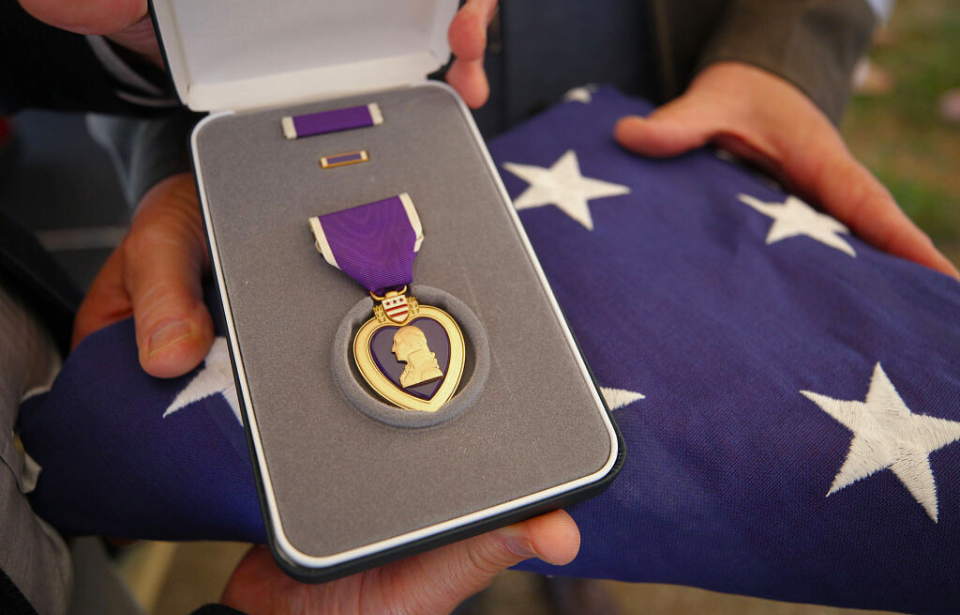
{"x": 411, "y": 210}
{"x": 322, "y": 244}
{"x": 289, "y": 130}
{"x": 376, "y": 115}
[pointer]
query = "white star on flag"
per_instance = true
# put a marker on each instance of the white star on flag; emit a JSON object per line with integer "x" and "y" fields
{"x": 215, "y": 378}
{"x": 793, "y": 217}
{"x": 583, "y": 94}
{"x": 618, "y": 398}
{"x": 887, "y": 435}
{"x": 562, "y": 185}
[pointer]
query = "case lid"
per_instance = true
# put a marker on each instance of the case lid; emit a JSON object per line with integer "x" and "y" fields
{"x": 241, "y": 54}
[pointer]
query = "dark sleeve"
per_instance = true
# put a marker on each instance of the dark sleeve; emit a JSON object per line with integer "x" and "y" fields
{"x": 44, "y": 67}
{"x": 12, "y": 602}
{"x": 217, "y": 609}
{"x": 814, "y": 44}
{"x": 145, "y": 151}
{"x": 43, "y": 284}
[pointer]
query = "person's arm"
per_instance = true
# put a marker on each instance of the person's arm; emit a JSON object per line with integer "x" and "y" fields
{"x": 813, "y": 44}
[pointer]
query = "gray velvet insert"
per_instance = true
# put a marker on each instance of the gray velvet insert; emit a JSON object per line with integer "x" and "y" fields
{"x": 341, "y": 479}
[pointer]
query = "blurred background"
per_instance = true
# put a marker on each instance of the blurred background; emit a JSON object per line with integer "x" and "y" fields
{"x": 904, "y": 124}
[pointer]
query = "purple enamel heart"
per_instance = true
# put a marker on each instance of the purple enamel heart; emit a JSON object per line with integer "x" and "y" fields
{"x": 418, "y": 352}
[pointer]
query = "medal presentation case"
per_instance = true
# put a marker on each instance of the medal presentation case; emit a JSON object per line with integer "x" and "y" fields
{"x": 348, "y": 480}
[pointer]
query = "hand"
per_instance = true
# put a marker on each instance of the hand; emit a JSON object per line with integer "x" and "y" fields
{"x": 125, "y": 22}
{"x": 769, "y": 122}
{"x": 432, "y": 582}
{"x": 468, "y": 40}
{"x": 154, "y": 274}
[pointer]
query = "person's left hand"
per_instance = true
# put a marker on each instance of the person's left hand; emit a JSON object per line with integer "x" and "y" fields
{"x": 431, "y": 583}
{"x": 764, "y": 119}
{"x": 468, "y": 41}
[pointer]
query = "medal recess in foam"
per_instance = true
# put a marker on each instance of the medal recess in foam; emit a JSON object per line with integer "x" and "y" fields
{"x": 410, "y": 354}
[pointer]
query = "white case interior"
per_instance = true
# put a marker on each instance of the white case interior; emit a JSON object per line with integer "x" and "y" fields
{"x": 245, "y": 54}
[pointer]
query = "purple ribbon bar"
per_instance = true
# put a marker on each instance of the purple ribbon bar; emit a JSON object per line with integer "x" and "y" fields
{"x": 375, "y": 243}
{"x": 339, "y": 160}
{"x": 323, "y": 122}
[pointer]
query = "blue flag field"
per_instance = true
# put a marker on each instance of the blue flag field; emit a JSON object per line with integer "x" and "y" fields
{"x": 789, "y": 395}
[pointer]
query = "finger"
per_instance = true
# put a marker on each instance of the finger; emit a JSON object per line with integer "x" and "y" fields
{"x": 432, "y": 582}
{"x": 468, "y": 30}
{"x": 141, "y": 38}
{"x": 827, "y": 172}
{"x": 468, "y": 42}
{"x": 106, "y": 302}
{"x": 470, "y": 81}
{"x": 447, "y": 576}
{"x": 87, "y": 16}
{"x": 164, "y": 259}
{"x": 673, "y": 129}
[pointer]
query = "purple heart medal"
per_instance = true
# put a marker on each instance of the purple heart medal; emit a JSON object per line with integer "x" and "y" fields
{"x": 411, "y": 354}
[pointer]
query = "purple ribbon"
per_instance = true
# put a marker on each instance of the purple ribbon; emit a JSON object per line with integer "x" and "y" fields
{"x": 375, "y": 243}
{"x": 307, "y": 125}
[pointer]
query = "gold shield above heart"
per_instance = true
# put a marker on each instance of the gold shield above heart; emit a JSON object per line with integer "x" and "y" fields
{"x": 412, "y": 355}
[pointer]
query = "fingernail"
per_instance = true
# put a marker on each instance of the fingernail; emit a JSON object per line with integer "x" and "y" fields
{"x": 518, "y": 543}
{"x": 166, "y": 334}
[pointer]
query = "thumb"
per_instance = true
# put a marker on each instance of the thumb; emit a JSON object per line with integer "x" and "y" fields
{"x": 164, "y": 259}
{"x": 453, "y": 573}
{"x": 89, "y": 16}
{"x": 673, "y": 129}
{"x": 432, "y": 582}
{"x": 106, "y": 302}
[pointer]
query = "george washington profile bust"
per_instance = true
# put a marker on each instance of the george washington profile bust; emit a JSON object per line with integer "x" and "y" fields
{"x": 410, "y": 347}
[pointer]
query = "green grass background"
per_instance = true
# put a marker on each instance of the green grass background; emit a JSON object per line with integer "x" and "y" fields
{"x": 900, "y": 136}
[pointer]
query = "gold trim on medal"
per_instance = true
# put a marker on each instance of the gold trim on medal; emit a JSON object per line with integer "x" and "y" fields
{"x": 399, "y": 311}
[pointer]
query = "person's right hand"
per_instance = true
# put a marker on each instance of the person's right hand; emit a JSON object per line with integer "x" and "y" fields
{"x": 430, "y": 583}
{"x": 155, "y": 276}
{"x": 125, "y": 22}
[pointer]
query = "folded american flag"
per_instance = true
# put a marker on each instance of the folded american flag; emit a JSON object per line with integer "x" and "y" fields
{"x": 127, "y": 455}
{"x": 789, "y": 396}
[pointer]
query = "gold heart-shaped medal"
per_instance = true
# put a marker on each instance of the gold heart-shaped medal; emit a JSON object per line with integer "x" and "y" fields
{"x": 411, "y": 354}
